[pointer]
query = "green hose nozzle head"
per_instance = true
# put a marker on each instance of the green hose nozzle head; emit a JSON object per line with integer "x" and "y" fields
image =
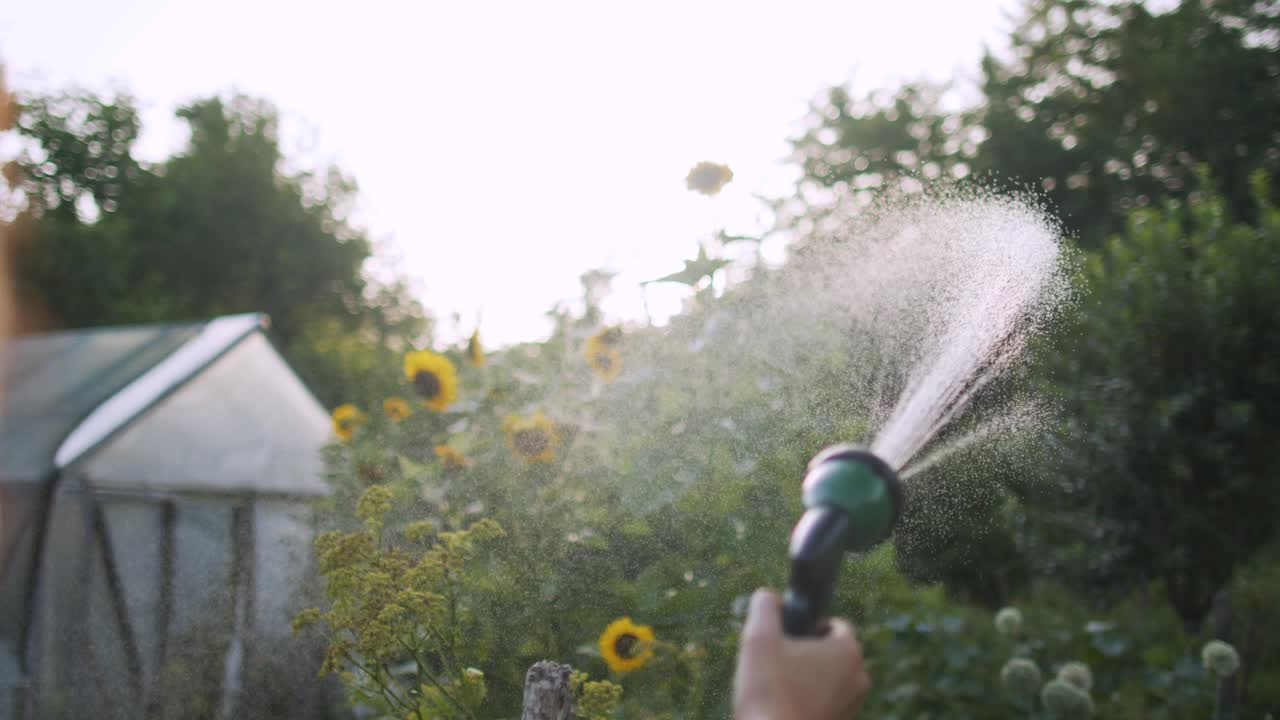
{"x": 851, "y": 499}
{"x": 862, "y": 485}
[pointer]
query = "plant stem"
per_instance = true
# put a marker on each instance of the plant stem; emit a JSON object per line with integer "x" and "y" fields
{"x": 386, "y": 691}
{"x": 422, "y": 670}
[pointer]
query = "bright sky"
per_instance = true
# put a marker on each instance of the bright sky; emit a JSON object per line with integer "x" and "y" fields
{"x": 503, "y": 148}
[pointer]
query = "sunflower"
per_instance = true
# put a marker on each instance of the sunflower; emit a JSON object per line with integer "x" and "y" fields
{"x": 396, "y": 408}
{"x": 533, "y": 438}
{"x": 434, "y": 378}
{"x": 708, "y": 177}
{"x": 475, "y": 353}
{"x": 451, "y": 458}
{"x": 608, "y": 337}
{"x": 606, "y": 361}
{"x": 346, "y": 418}
{"x": 626, "y": 646}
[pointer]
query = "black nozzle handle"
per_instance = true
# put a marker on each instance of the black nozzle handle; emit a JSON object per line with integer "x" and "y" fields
{"x": 818, "y": 545}
{"x": 799, "y": 616}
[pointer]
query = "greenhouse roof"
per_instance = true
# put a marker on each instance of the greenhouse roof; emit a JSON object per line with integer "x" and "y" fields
{"x": 67, "y": 392}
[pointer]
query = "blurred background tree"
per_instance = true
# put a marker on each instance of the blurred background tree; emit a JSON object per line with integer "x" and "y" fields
{"x": 1171, "y": 401}
{"x": 220, "y": 227}
{"x": 1105, "y": 107}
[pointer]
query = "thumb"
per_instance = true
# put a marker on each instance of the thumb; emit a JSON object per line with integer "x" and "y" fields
{"x": 764, "y": 617}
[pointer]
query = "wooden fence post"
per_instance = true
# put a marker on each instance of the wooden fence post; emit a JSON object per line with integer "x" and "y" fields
{"x": 547, "y": 695}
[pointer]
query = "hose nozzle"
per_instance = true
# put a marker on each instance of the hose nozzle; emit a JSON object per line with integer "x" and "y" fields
{"x": 852, "y": 500}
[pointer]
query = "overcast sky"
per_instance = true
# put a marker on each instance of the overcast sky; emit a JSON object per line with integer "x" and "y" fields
{"x": 503, "y": 148}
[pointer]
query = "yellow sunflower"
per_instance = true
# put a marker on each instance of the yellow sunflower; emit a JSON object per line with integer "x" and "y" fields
{"x": 606, "y": 361}
{"x": 475, "y": 353}
{"x": 626, "y": 646}
{"x": 608, "y": 337}
{"x": 434, "y": 378}
{"x": 451, "y": 458}
{"x": 708, "y": 178}
{"x": 396, "y": 408}
{"x": 533, "y": 438}
{"x": 346, "y": 418}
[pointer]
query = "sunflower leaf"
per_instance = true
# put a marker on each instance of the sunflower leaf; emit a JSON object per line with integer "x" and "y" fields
{"x": 725, "y": 238}
{"x": 694, "y": 270}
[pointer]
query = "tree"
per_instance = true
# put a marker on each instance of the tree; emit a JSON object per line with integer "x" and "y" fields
{"x": 1103, "y": 106}
{"x": 1112, "y": 106}
{"x": 1172, "y": 400}
{"x": 888, "y": 140}
{"x": 218, "y": 228}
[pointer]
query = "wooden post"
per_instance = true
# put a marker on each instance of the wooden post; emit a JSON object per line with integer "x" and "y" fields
{"x": 547, "y": 695}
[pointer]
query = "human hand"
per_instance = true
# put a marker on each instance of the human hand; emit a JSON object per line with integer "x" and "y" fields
{"x": 783, "y": 678}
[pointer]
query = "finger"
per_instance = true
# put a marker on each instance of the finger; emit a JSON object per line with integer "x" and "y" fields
{"x": 764, "y": 616}
{"x": 842, "y": 631}
{"x": 842, "y": 644}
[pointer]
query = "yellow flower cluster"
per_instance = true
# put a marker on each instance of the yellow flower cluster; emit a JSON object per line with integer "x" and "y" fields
{"x": 386, "y": 602}
{"x": 595, "y": 699}
{"x": 434, "y": 379}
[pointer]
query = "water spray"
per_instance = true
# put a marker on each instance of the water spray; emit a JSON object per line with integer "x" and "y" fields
{"x": 852, "y": 499}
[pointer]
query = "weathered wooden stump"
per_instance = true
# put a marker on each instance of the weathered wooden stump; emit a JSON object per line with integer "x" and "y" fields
{"x": 547, "y": 695}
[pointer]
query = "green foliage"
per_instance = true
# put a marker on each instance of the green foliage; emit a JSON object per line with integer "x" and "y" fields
{"x": 1170, "y": 397}
{"x": 933, "y": 657}
{"x": 393, "y": 627}
{"x": 1107, "y": 107}
{"x": 674, "y": 520}
{"x": 221, "y": 227}
{"x": 696, "y": 270}
{"x": 1113, "y": 106}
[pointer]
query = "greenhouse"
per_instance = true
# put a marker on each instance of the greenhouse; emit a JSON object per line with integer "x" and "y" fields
{"x": 152, "y": 478}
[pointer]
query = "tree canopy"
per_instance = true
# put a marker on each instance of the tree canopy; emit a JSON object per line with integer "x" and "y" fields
{"x": 1103, "y": 107}
{"x": 220, "y": 227}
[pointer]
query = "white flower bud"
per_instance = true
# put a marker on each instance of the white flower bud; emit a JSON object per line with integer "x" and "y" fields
{"x": 1021, "y": 677}
{"x": 1066, "y": 701}
{"x": 1009, "y": 621}
{"x": 1220, "y": 658}
{"x": 1078, "y": 674}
